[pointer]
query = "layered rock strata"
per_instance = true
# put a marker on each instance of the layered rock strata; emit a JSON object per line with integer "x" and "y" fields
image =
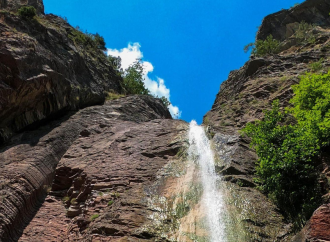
{"x": 44, "y": 71}
{"x": 98, "y": 162}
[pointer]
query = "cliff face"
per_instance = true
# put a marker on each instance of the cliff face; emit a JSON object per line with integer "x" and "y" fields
{"x": 99, "y": 161}
{"x": 281, "y": 24}
{"x": 44, "y": 71}
{"x": 69, "y": 175}
{"x": 251, "y": 89}
{"x": 118, "y": 170}
{"x": 14, "y": 5}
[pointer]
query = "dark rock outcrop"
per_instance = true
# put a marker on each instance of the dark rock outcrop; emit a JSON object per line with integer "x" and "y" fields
{"x": 14, "y": 5}
{"x": 44, "y": 71}
{"x": 281, "y": 24}
{"x": 100, "y": 149}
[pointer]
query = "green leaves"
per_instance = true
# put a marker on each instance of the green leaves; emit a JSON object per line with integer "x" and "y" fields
{"x": 287, "y": 148}
{"x": 27, "y": 12}
{"x": 88, "y": 40}
{"x": 311, "y": 105}
{"x": 133, "y": 79}
{"x": 263, "y": 47}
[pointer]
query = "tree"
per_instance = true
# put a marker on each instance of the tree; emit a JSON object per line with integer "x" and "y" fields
{"x": 115, "y": 62}
{"x": 285, "y": 168}
{"x": 263, "y": 47}
{"x": 99, "y": 42}
{"x": 165, "y": 101}
{"x": 27, "y": 12}
{"x": 133, "y": 79}
{"x": 311, "y": 105}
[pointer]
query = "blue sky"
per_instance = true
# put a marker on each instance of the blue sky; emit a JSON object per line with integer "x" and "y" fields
{"x": 189, "y": 46}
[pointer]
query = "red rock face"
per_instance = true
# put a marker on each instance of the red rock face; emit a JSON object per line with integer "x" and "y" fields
{"x": 320, "y": 224}
{"x": 98, "y": 164}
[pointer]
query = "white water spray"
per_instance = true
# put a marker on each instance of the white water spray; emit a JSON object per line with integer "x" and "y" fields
{"x": 212, "y": 198}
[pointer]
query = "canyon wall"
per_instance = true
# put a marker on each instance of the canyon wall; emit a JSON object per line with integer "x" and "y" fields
{"x": 252, "y": 89}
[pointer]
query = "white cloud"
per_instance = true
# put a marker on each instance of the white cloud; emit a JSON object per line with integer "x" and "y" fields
{"x": 156, "y": 87}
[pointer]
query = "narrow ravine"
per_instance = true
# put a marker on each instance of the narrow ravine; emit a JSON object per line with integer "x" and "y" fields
{"x": 212, "y": 200}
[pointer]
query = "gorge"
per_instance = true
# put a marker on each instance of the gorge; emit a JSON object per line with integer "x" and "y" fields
{"x": 83, "y": 160}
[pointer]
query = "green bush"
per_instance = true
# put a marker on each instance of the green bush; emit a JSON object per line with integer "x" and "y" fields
{"x": 265, "y": 47}
{"x": 287, "y": 145}
{"x": 115, "y": 62}
{"x": 303, "y": 33}
{"x": 93, "y": 41}
{"x": 316, "y": 66}
{"x": 165, "y": 101}
{"x": 133, "y": 79}
{"x": 27, "y": 12}
{"x": 311, "y": 105}
{"x": 94, "y": 216}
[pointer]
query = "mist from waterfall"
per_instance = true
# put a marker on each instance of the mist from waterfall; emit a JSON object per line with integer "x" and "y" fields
{"x": 212, "y": 200}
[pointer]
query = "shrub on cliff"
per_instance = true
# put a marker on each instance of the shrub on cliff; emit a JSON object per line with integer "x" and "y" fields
{"x": 88, "y": 40}
{"x": 27, "y": 12}
{"x": 263, "y": 47}
{"x": 133, "y": 79}
{"x": 287, "y": 145}
{"x": 285, "y": 168}
{"x": 304, "y": 33}
{"x": 311, "y": 106}
{"x": 165, "y": 101}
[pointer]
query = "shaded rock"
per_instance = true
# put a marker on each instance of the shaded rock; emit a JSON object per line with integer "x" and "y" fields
{"x": 73, "y": 211}
{"x": 44, "y": 73}
{"x": 14, "y": 5}
{"x": 280, "y": 24}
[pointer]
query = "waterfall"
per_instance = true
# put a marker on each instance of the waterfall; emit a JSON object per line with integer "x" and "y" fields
{"x": 212, "y": 199}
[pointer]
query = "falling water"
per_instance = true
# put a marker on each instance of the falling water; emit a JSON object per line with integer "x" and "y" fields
{"x": 212, "y": 198}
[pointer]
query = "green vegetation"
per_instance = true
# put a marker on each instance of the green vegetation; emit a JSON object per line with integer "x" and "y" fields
{"x": 304, "y": 34}
{"x": 115, "y": 62}
{"x": 113, "y": 96}
{"x": 316, "y": 66}
{"x": 165, "y": 101}
{"x": 27, "y": 12}
{"x": 188, "y": 200}
{"x": 88, "y": 40}
{"x": 133, "y": 79}
{"x": 265, "y": 47}
{"x": 110, "y": 203}
{"x": 287, "y": 144}
{"x": 94, "y": 216}
{"x": 311, "y": 106}
{"x": 65, "y": 199}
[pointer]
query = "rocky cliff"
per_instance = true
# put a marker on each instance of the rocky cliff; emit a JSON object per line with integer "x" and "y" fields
{"x": 97, "y": 174}
{"x": 74, "y": 167}
{"x": 98, "y": 162}
{"x": 44, "y": 71}
{"x": 251, "y": 89}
